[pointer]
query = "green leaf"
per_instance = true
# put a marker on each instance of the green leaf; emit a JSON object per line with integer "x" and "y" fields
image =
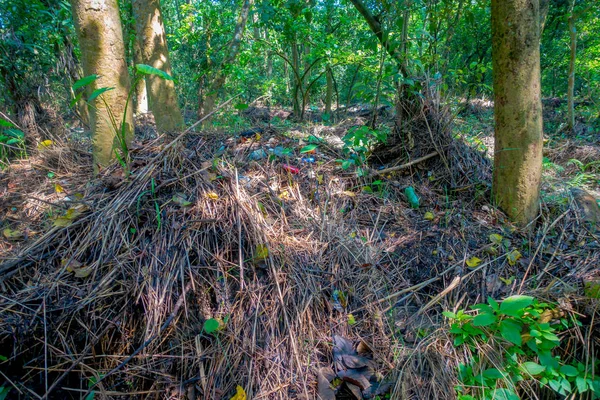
{"x": 16, "y": 133}
{"x": 241, "y": 106}
{"x": 14, "y": 141}
{"x": 4, "y": 392}
{"x": 493, "y": 373}
{"x": 484, "y": 319}
{"x": 98, "y": 92}
{"x": 569, "y": 370}
{"x": 511, "y": 331}
{"x": 5, "y": 123}
{"x": 514, "y": 305}
{"x": 75, "y": 100}
{"x": 148, "y": 70}
{"x": 308, "y": 148}
{"x": 85, "y": 81}
{"x": 532, "y": 368}
{"x": 211, "y": 325}
{"x": 449, "y": 314}
{"x": 505, "y": 394}
{"x": 581, "y": 384}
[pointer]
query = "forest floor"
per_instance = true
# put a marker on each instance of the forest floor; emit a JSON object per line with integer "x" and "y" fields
{"x": 224, "y": 260}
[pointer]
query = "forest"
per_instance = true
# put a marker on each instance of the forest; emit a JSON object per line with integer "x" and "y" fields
{"x": 300, "y": 199}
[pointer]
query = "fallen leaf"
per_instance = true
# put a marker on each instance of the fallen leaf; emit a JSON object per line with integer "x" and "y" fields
{"x": 355, "y": 390}
{"x": 358, "y": 377}
{"x": 428, "y": 216}
{"x": 62, "y": 222}
{"x": 507, "y": 281}
{"x": 240, "y": 393}
{"x": 513, "y": 257}
{"x": 44, "y": 144}
{"x": 211, "y": 325}
{"x": 324, "y": 389}
{"x": 181, "y": 200}
{"x": 212, "y": 195}
{"x": 496, "y": 239}
{"x": 473, "y": 262}
{"x": 349, "y": 193}
{"x": 320, "y": 179}
{"x": 12, "y": 234}
{"x": 261, "y": 253}
{"x": 351, "y": 320}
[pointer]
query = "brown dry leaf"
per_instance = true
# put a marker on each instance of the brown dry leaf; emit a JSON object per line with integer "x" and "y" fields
{"x": 80, "y": 270}
{"x": 358, "y": 377}
{"x": 355, "y": 390}
{"x": 324, "y": 389}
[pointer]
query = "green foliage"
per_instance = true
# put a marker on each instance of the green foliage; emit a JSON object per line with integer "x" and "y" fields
{"x": 12, "y": 140}
{"x": 358, "y": 144}
{"x": 523, "y": 334}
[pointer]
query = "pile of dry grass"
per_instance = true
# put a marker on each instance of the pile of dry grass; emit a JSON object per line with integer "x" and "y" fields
{"x": 114, "y": 298}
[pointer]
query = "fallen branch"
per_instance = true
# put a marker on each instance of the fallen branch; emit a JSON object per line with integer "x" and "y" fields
{"x": 404, "y": 166}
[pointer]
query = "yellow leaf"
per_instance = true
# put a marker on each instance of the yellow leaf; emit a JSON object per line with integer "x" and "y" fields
{"x": 45, "y": 144}
{"x": 285, "y": 195}
{"x": 261, "y": 253}
{"x": 240, "y": 394}
{"x": 428, "y": 216}
{"x": 320, "y": 179}
{"x": 349, "y": 193}
{"x": 496, "y": 239}
{"x": 62, "y": 222}
{"x": 212, "y": 195}
{"x": 12, "y": 235}
{"x": 473, "y": 262}
{"x": 351, "y": 319}
{"x": 257, "y": 136}
{"x": 58, "y": 188}
{"x": 507, "y": 281}
{"x": 513, "y": 257}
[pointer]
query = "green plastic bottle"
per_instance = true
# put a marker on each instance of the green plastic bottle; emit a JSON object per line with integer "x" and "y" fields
{"x": 412, "y": 197}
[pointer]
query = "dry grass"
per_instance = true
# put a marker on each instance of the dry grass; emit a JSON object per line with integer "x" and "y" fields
{"x": 157, "y": 268}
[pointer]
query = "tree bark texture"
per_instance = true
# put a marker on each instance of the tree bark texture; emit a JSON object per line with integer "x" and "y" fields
{"x": 152, "y": 40}
{"x": 517, "y": 108}
{"x": 98, "y": 26}
{"x": 571, "y": 81}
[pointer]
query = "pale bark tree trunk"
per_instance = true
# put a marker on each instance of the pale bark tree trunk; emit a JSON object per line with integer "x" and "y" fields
{"x": 517, "y": 108}
{"x": 571, "y": 82}
{"x": 141, "y": 94}
{"x": 98, "y": 26}
{"x": 208, "y": 103}
{"x": 151, "y": 37}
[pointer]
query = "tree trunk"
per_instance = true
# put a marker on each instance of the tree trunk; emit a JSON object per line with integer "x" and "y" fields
{"x": 517, "y": 108}
{"x": 211, "y": 98}
{"x": 162, "y": 98}
{"x": 571, "y": 83}
{"x": 329, "y": 91}
{"x": 98, "y": 26}
{"x": 141, "y": 94}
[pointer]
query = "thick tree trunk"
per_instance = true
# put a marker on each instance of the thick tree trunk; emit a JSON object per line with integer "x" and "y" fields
{"x": 100, "y": 34}
{"x": 217, "y": 83}
{"x": 517, "y": 108}
{"x": 571, "y": 82}
{"x": 162, "y": 98}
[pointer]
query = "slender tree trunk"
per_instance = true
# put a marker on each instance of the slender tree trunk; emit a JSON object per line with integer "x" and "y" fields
{"x": 98, "y": 26}
{"x": 162, "y": 97}
{"x": 329, "y": 91}
{"x": 141, "y": 94}
{"x": 219, "y": 80}
{"x": 517, "y": 108}
{"x": 297, "y": 92}
{"x": 571, "y": 83}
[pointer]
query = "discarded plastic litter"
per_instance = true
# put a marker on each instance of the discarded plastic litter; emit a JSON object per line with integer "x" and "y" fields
{"x": 289, "y": 168}
{"x": 257, "y": 155}
{"x": 308, "y": 160}
{"x": 412, "y": 197}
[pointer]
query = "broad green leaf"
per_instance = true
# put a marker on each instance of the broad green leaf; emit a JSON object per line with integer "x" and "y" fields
{"x": 14, "y": 141}
{"x": 4, "y": 390}
{"x": 484, "y": 319}
{"x": 581, "y": 384}
{"x": 569, "y": 370}
{"x": 505, "y": 394}
{"x": 241, "y": 106}
{"x": 5, "y": 123}
{"x": 308, "y": 148}
{"x": 514, "y": 305}
{"x": 473, "y": 262}
{"x": 148, "y": 70}
{"x": 532, "y": 368}
{"x": 84, "y": 81}
{"x": 98, "y": 92}
{"x": 493, "y": 373}
{"x": 211, "y": 325}
{"x": 16, "y": 133}
{"x": 75, "y": 100}
{"x": 511, "y": 331}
